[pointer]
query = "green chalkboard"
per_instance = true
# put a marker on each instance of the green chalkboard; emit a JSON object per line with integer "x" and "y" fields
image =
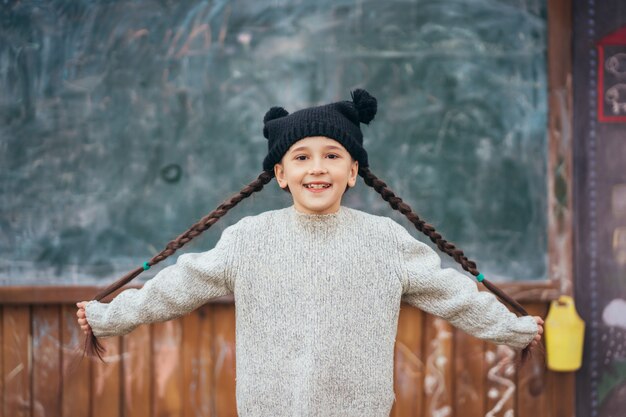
{"x": 124, "y": 122}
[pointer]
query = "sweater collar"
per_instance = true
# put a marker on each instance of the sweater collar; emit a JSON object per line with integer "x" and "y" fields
{"x": 317, "y": 221}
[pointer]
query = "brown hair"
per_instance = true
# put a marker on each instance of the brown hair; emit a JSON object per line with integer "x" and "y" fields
{"x": 93, "y": 347}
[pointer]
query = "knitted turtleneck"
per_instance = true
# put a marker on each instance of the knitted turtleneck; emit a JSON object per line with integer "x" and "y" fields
{"x": 317, "y": 299}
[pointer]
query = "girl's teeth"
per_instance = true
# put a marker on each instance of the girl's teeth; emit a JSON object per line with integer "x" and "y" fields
{"x": 317, "y": 186}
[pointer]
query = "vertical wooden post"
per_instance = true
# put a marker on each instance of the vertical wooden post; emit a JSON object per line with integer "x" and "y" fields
{"x": 76, "y": 377}
{"x": 17, "y": 359}
{"x": 106, "y": 381}
{"x": 409, "y": 365}
{"x": 166, "y": 351}
{"x": 438, "y": 389}
{"x": 198, "y": 363}
{"x": 137, "y": 372}
{"x": 469, "y": 358}
{"x": 46, "y": 360}
{"x": 224, "y": 371}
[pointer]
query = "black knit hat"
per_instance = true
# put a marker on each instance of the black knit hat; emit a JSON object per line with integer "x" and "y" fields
{"x": 338, "y": 121}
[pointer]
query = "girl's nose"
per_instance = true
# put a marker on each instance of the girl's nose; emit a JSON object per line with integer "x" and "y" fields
{"x": 318, "y": 168}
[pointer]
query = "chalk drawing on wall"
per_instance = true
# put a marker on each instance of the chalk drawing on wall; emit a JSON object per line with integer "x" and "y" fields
{"x": 619, "y": 245}
{"x": 611, "y": 75}
{"x": 612, "y": 387}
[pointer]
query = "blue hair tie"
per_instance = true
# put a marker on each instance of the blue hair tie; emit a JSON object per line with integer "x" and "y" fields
{"x": 146, "y": 266}
{"x": 480, "y": 277}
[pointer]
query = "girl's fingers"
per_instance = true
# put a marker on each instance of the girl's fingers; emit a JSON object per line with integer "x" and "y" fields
{"x": 537, "y": 337}
{"x": 85, "y": 326}
{"x": 539, "y": 321}
{"x": 82, "y": 317}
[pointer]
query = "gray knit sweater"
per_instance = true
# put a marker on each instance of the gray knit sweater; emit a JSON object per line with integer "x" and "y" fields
{"x": 317, "y": 299}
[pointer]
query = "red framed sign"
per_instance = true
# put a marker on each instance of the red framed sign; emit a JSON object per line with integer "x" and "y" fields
{"x": 612, "y": 77}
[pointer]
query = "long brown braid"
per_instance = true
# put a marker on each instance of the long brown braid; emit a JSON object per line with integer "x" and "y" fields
{"x": 397, "y": 204}
{"x": 92, "y": 345}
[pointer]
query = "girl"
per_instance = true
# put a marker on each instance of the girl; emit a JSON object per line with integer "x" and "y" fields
{"x": 317, "y": 286}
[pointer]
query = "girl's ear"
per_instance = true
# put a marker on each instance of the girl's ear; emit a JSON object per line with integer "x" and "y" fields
{"x": 354, "y": 171}
{"x": 279, "y": 173}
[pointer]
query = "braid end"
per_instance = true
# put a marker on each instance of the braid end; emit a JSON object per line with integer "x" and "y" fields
{"x": 93, "y": 347}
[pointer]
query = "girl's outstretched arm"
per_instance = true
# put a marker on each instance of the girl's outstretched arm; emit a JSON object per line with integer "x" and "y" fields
{"x": 455, "y": 297}
{"x": 176, "y": 290}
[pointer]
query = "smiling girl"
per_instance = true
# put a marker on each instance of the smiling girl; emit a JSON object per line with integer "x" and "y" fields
{"x": 317, "y": 171}
{"x": 317, "y": 286}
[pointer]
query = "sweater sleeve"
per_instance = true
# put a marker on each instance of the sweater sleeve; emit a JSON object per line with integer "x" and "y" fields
{"x": 453, "y": 296}
{"x": 176, "y": 290}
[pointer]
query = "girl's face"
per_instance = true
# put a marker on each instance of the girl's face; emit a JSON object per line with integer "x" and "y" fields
{"x": 317, "y": 171}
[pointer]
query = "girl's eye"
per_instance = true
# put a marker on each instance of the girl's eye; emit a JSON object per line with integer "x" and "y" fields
{"x": 300, "y": 157}
{"x": 333, "y": 156}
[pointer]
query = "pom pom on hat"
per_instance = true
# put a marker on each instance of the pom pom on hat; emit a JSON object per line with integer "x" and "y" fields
{"x": 275, "y": 113}
{"x": 272, "y": 114}
{"x": 365, "y": 104}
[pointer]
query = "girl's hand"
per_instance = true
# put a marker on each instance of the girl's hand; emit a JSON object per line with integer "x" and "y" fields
{"x": 537, "y": 338}
{"x": 82, "y": 317}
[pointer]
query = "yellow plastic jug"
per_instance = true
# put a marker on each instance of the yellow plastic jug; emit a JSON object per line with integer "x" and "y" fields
{"x": 564, "y": 334}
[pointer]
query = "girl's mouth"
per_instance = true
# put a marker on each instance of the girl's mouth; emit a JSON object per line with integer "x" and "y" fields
{"x": 316, "y": 186}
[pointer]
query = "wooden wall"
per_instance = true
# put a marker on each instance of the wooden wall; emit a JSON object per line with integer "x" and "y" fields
{"x": 186, "y": 367}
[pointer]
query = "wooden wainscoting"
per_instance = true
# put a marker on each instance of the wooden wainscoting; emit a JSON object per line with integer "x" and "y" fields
{"x": 186, "y": 367}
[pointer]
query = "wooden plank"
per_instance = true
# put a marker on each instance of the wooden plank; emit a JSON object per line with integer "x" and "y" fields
{"x": 224, "y": 370}
{"x": 533, "y": 395}
{"x": 438, "y": 354}
{"x": 46, "y": 360}
{"x": 562, "y": 387}
{"x": 409, "y": 368}
{"x": 525, "y": 292}
{"x": 136, "y": 372}
{"x": 500, "y": 380}
{"x": 166, "y": 353}
{"x": 76, "y": 375}
{"x": 105, "y": 388}
{"x": 560, "y": 169}
{"x": 17, "y": 360}
{"x": 198, "y": 363}
{"x": 2, "y": 398}
{"x": 469, "y": 375}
